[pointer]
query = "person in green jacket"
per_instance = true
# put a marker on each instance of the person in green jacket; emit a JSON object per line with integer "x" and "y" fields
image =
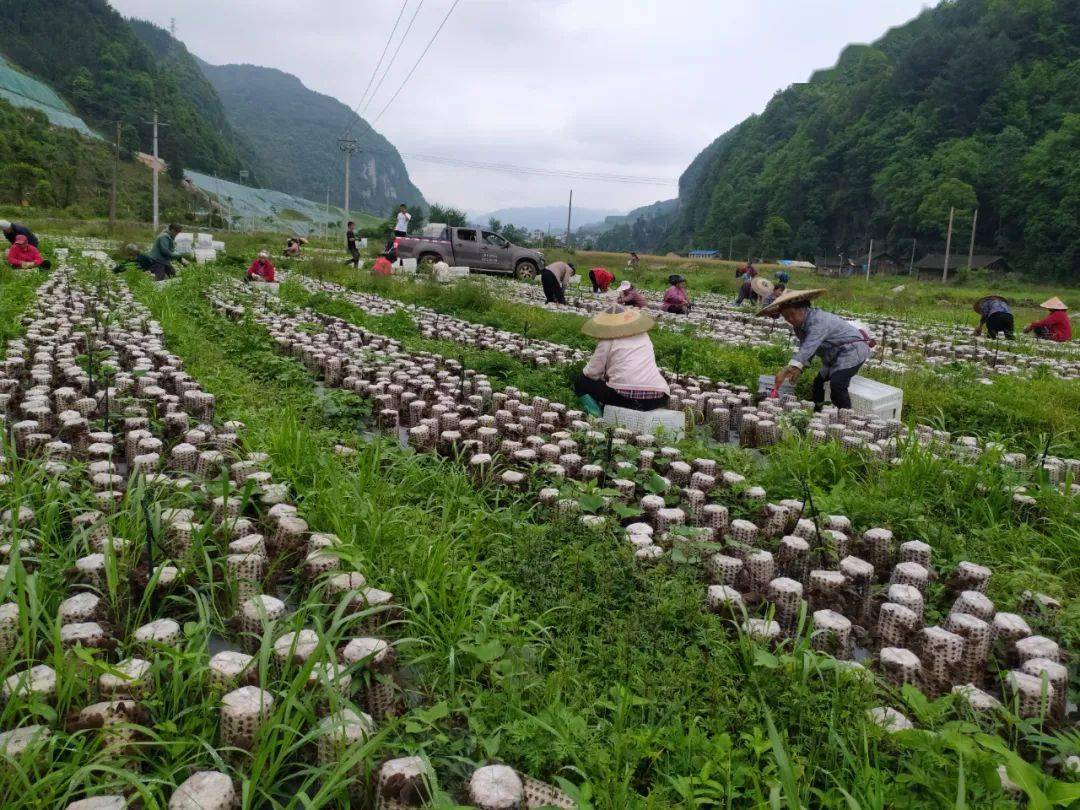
{"x": 163, "y": 253}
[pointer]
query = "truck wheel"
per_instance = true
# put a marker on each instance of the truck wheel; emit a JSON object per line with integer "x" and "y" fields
{"x": 526, "y": 271}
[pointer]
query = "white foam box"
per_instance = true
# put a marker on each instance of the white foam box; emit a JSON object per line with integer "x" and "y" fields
{"x": 672, "y": 422}
{"x": 203, "y": 255}
{"x": 873, "y": 397}
{"x": 408, "y": 265}
{"x": 204, "y": 240}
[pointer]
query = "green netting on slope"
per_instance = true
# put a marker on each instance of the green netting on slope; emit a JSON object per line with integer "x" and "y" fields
{"x": 23, "y": 91}
{"x": 264, "y": 204}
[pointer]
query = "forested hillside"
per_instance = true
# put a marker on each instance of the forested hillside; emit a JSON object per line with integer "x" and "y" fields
{"x": 293, "y": 132}
{"x": 49, "y": 167}
{"x": 973, "y": 104}
{"x": 89, "y": 54}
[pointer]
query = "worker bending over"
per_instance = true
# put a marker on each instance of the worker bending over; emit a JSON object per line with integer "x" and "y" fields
{"x": 1055, "y": 326}
{"x": 601, "y": 279}
{"x": 995, "y": 316}
{"x": 14, "y": 229}
{"x": 622, "y": 370}
{"x": 841, "y": 345}
{"x": 262, "y": 269}
{"x": 163, "y": 253}
{"x": 630, "y": 297}
{"x": 554, "y": 278}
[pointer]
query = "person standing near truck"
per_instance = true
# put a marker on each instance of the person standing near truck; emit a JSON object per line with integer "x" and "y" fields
{"x": 401, "y": 227}
{"x": 350, "y": 245}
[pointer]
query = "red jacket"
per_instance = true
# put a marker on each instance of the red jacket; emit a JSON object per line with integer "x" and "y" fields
{"x": 603, "y": 278}
{"x": 1057, "y": 325}
{"x": 18, "y": 254}
{"x": 382, "y": 267}
{"x": 261, "y": 268}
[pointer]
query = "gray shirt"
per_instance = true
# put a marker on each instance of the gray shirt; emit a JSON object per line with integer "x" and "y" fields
{"x": 837, "y": 342}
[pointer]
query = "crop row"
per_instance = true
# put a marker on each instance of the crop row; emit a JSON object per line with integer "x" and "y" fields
{"x": 768, "y": 565}
{"x": 124, "y": 491}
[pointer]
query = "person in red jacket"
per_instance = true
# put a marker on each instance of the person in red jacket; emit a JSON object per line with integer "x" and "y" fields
{"x": 23, "y": 255}
{"x": 1054, "y": 326}
{"x": 601, "y": 279}
{"x": 262, "y": 269}
{"x": 382, "y": 267}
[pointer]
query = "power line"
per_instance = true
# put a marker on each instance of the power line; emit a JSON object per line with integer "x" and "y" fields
{"x": 354, "y": 115}
{"x": 393, "y": 58}
{"x": 510, "y": 168}
{"x": 417, "y": 63}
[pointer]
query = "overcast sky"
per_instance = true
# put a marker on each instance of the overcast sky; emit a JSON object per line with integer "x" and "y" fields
{"x": 629, "y": 87}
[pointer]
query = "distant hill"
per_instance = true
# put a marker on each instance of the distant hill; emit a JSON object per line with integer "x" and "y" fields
{"x": 539, "y": 217}
{"x": 643, "y": 229}
{"x": 972, "y": 104}
{"x": 89, "y": 54}
{"x": 658, "y": 209}
{"x": 290, "y": 134}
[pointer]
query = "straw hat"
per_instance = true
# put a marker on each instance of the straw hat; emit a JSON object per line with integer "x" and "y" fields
{"x": 761, "y": 286}
{"x": 617, "y": 322}
{"x": 977, "y": 306}
{"x": 1053, "y": 303}
{"x": 787, "y": 299}
{"x": 626, "y": 285}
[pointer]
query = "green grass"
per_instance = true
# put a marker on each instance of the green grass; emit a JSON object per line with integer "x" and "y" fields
{"x": 1024, "y": 412}
{"x": 544, "y": 644}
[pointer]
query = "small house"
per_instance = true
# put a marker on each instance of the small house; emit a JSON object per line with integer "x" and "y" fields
{"x": 932, "y": 265}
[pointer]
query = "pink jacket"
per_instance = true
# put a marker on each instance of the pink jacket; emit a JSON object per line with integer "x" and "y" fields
{"x": 633, "y": 298}
{"x": 675, "y": 300}
{"x": 627, "y": 363}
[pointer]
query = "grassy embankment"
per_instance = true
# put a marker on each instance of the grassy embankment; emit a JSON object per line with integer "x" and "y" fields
{"x": 629, "y": 686}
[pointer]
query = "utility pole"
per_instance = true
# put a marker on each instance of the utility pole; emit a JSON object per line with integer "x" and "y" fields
{"x": 155, "y": 172}
{"x": 112, "y": 195}
{"x": 869, "y": 258}
{"x": 730, "y": 246}
{"x": 911, "y": 264}
{"x": 971, "y": 244}
{"x": 569, "y": 208}
{"x": 348, "y": 146}
{"x": 948, "y": 246}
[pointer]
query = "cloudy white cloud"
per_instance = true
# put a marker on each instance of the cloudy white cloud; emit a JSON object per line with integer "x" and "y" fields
{"x": 629, "y": 87}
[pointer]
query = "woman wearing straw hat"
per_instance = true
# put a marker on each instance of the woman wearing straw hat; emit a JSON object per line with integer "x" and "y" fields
{"x": 841, "y": 345}
{"x": 994, "y": 315}
{"x": 1054, "y": 326}
{"x": 622, "y": 370}
{"x": 630, "y": 297}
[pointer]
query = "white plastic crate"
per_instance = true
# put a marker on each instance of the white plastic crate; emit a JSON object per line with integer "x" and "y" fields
{"x": 405, "y": 265}
{"x": 451, "y": 274}
{"x": 673, "y": 422}
{"x": 873, "y": 397}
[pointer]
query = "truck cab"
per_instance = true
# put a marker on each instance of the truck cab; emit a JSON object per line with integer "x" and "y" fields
{"x": 479, "y": 249}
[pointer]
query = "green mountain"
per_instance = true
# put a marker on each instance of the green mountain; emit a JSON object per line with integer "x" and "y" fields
{"x": 91, "y": 56}
{"x": 291, "y": 134}
{"x": 973, "y": 104}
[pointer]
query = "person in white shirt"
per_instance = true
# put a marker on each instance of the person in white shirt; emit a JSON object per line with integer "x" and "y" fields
{"x": 622, "y": 370}
{"x": 401, "y": 228}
